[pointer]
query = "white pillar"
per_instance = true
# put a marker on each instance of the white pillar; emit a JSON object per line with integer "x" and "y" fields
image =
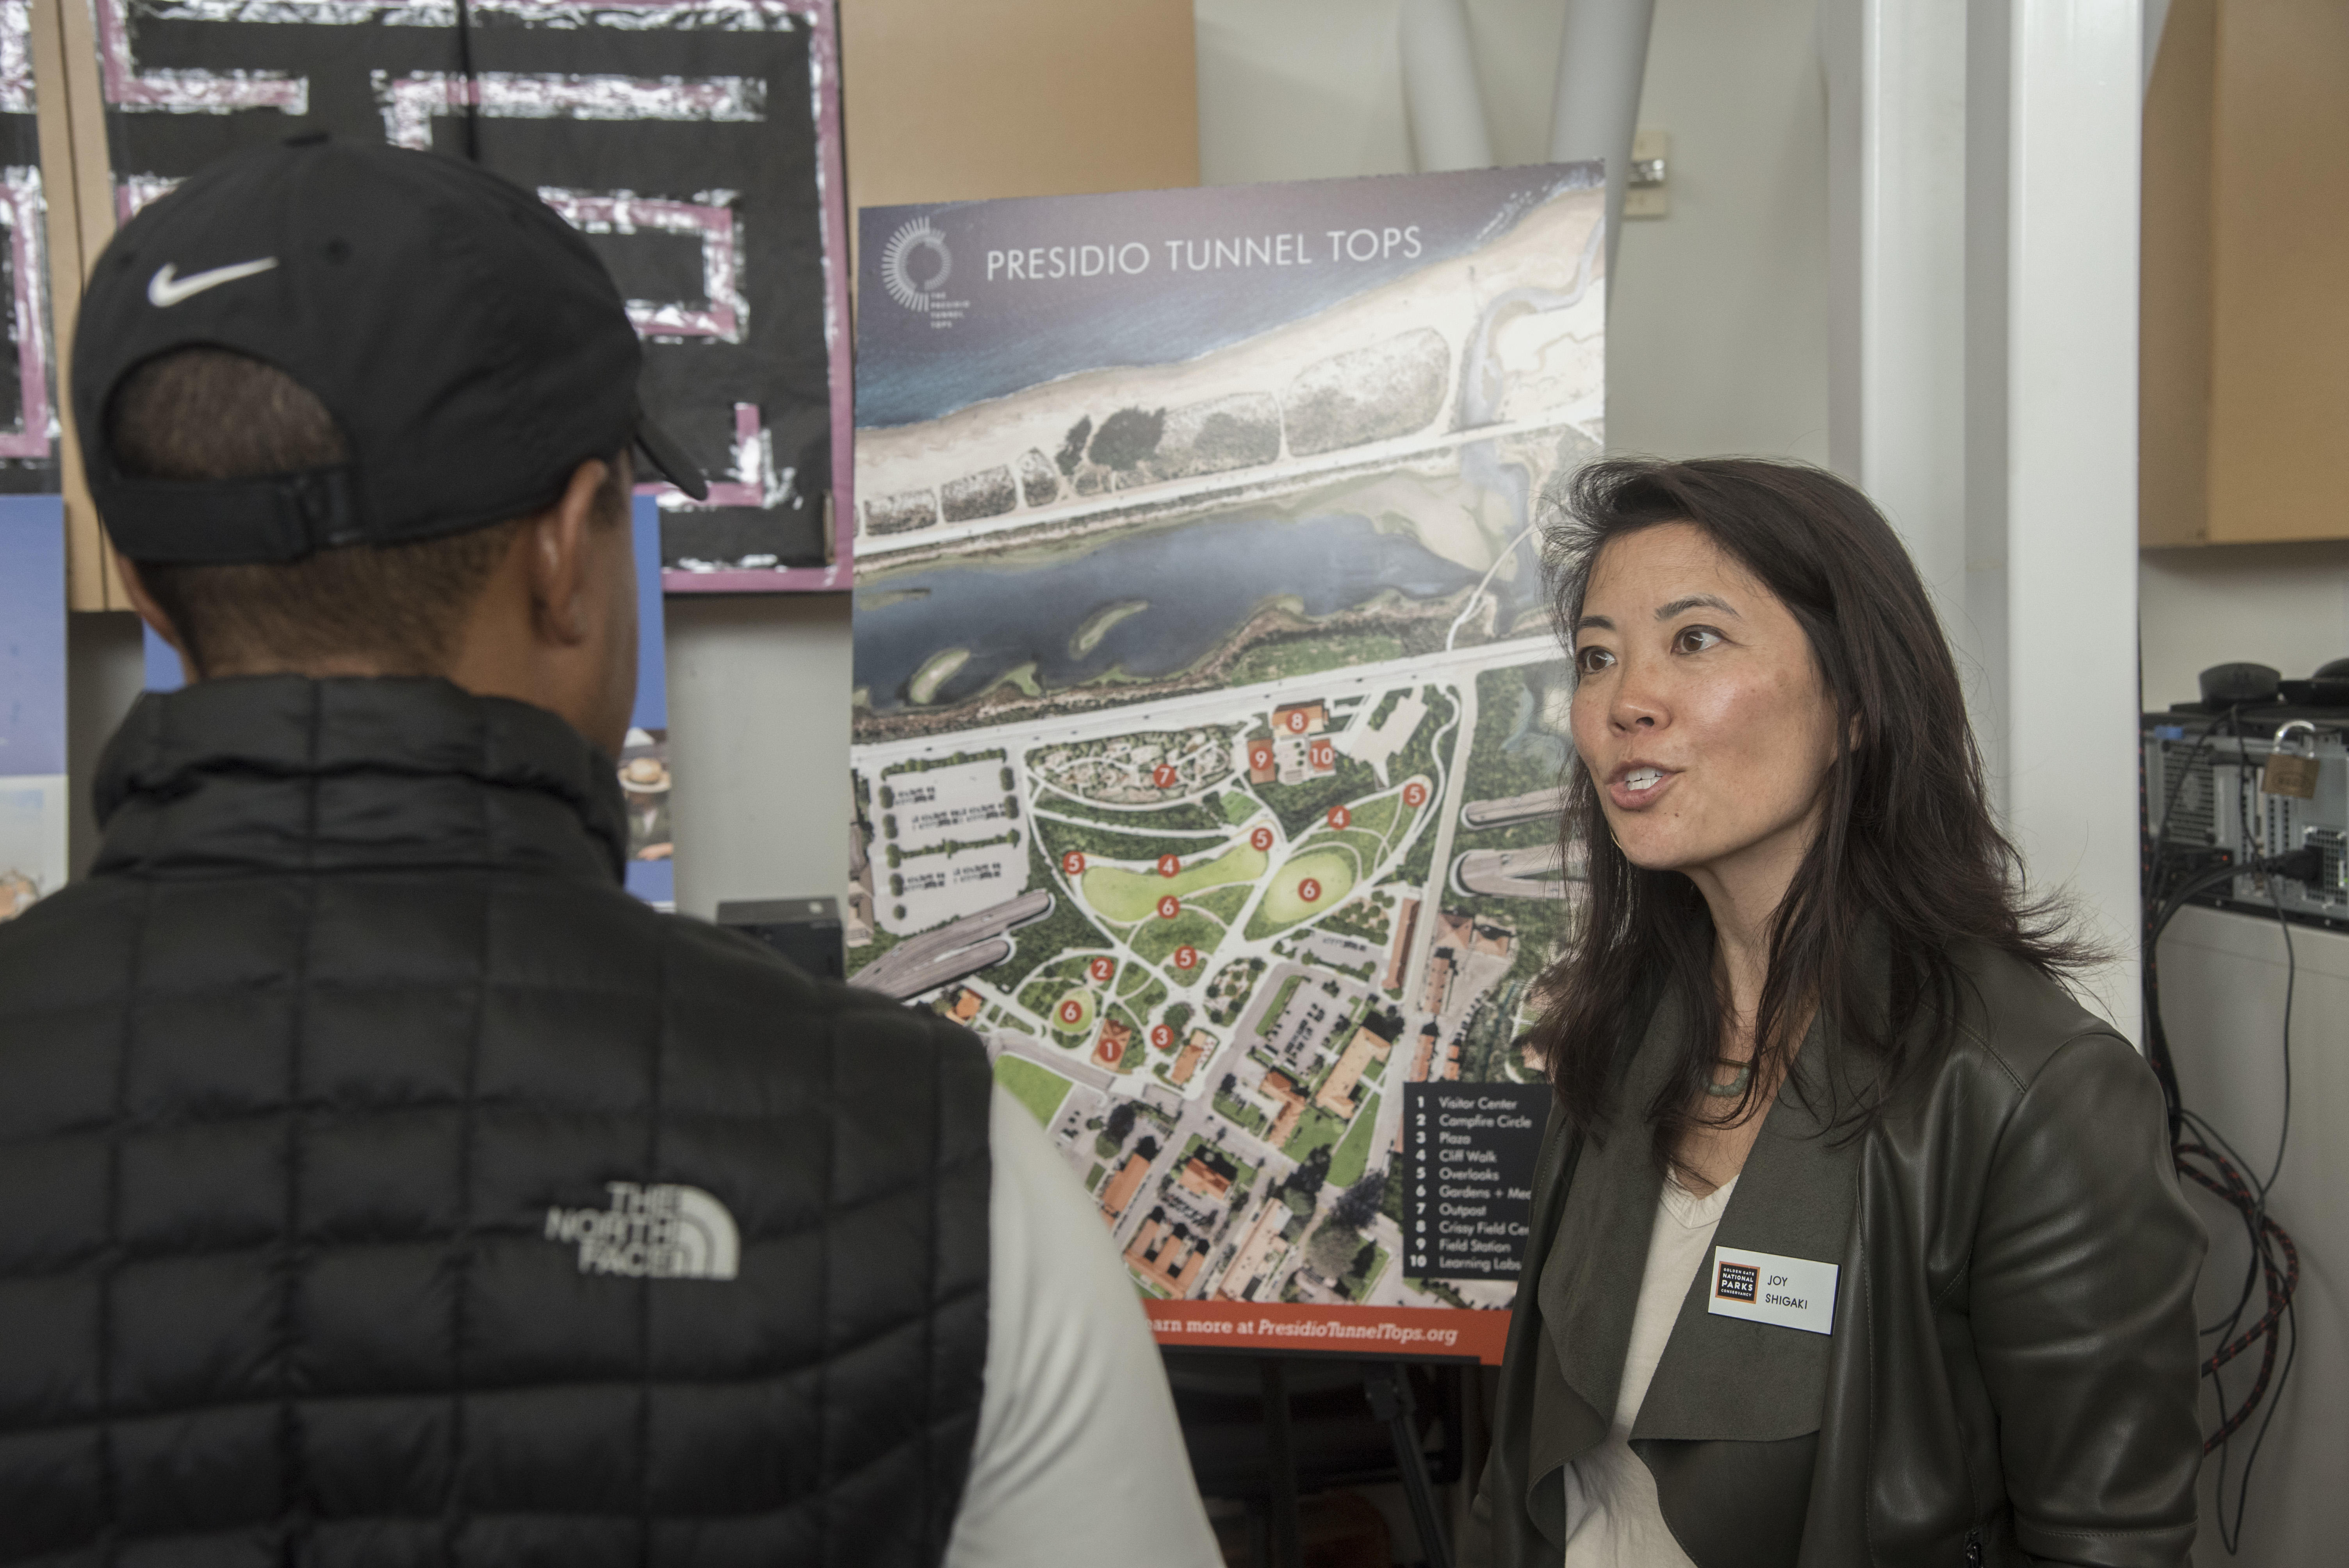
{"x": 1440, "y": 88}
{"x": 1983, "y": 220}
{"x": 1602, "y": 55}
{"x": 2074, "y": 131}
{"x": 1896, "y": 219}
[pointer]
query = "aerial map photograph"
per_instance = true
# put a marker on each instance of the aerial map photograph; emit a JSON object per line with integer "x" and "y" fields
{"x": 1210, "y": 728}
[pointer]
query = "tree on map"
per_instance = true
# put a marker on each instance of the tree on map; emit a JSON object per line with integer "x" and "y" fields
{"x": 1359, "y": 1203}
{"x": 1121, "y": 1121}
{"x": 1128, "y": 437}
{"x": 1147, "y": 1148}
{"x": 1333, "y": 1250}
{"x": 1072, "y": 451}
{"x": 1306, "y": 1180}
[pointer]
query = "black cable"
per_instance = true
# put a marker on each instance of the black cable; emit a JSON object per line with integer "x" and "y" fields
{"x": 2234, "y": 1542}
{"x": 2290, "y": 967}
{"x": 2204, "y": 1156}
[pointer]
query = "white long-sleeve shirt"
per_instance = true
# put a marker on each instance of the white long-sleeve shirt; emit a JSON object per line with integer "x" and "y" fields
{"x": 1079, "y": 1459}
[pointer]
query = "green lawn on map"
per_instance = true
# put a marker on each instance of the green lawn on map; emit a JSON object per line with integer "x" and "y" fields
{"x": 1040, "y": 1089}
{"x": 1285, "y": 902}
{"x": 1156, "y": 940}
{"x": 1125, "y": 896}
{"x": 1084, "y": 1019}
{"x": 1224, "y": 903}
{"x": 1353, "y": 1150}
{"x": 1316, "y": 1128}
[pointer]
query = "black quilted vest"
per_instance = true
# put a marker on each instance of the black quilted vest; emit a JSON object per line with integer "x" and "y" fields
{"x": 380, "y": 1184}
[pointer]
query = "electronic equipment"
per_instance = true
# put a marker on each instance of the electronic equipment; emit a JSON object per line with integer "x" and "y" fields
{"x": 2227, "y": 786}
{"x": 2239, "y": 683}
{"x": 804, "y": 930}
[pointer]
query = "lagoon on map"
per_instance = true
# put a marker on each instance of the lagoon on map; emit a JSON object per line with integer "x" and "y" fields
{"x": 1202, "y": 582}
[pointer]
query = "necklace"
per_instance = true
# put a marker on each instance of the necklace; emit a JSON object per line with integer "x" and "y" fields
{"x": 1735, "y": 1085}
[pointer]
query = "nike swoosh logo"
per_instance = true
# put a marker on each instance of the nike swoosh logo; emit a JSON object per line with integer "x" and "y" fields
{"x": 167, "y": 288}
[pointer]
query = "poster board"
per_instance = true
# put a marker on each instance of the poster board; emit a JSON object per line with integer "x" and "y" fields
{"x": 1208, "y": 726}
{"x": 695, "y": 142}
{"x": 33, "y": 793}
{"x": 29, "y": 423}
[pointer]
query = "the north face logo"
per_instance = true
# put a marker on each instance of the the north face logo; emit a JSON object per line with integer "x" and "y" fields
{"x": 664, "y": 1231}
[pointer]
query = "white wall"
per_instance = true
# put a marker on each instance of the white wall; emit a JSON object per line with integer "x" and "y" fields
{"x": 1717, "y": 322}
{"x": 1717, "y": 330}
{"x": 757, "y": 699}
{"x": 2286, "y": 606}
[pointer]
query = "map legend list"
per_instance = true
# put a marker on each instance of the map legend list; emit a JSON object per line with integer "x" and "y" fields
{"x": 1468, "y": 1179}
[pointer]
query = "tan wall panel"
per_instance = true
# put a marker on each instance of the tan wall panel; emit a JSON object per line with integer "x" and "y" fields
{"x": 78, "y": 188}
{"x": 950, "y": 100}
{"x": 2280, "y": 228}
{"x": 2174, "y": 300}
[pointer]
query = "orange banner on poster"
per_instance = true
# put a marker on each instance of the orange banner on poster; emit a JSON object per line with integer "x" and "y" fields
{"x": 1332, "y": 1330}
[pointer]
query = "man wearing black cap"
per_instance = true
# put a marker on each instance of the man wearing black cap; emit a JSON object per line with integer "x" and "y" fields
{"x": 383, "y": 1183}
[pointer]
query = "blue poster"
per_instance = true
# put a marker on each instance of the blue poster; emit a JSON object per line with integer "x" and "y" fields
{"x": 644, "y": 758}
{"x": 33, "y": 797}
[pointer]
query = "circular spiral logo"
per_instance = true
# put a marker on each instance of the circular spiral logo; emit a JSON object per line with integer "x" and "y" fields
{"x": 908, "y": 248}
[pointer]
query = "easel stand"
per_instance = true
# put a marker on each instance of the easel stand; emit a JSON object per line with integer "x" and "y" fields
{"x": 1388, "y": 1388}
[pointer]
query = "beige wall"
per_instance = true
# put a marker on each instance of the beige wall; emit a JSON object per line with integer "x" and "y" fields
{"x": 952, "y": 100}
{"x": 2280, "y": 312}
{"x": 2245, "y": 371}
{"x": 2174, "y": 289}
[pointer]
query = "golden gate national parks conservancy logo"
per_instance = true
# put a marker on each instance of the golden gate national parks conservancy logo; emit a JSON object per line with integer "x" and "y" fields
{"x": 915, "y": 266}
{"x": 662, "y": 1232}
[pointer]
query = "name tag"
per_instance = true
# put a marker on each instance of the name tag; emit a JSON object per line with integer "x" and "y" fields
{"x": 1762, "y": 1287}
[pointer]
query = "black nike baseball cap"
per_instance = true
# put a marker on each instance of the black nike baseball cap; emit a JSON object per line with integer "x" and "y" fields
{"x": 469, "y": 345}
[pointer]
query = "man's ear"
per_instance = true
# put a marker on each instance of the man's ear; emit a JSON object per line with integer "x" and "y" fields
{"x": 557, "y": 543}
{"x": 152, "y": 614}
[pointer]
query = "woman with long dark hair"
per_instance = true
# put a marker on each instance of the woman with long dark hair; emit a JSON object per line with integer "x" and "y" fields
{"x": 1855, "y": 1239}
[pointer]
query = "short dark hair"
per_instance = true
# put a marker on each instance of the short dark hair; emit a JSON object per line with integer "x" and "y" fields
{"x": 1908, "y": 844}
{"x": 210, "y": 414}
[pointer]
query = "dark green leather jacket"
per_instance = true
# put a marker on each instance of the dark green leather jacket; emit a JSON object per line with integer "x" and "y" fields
{"x": 2011, "y": 1374}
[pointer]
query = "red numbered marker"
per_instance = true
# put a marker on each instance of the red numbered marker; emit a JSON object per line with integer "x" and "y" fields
{"x": 1162, "y": 1037}
{"x": 1169, "y": 907}
{"x": 1163, "y": 775}
{"x": 1187, "y": 958}
{"x": 1073, "y": 862}
{"x": 1310, "y": 891}
{"x": 1297, "y": 722}
{"x": 1169, "y": 864}
{"x": 1261, "y": 839}
{"x": 1321, "y": 755}
{"x": 1260, "y": 755}
{"x": 1340, "y": 816}
{"x": 1102, "y": 970}
{"x": 1073, "y": 1012}
{"x": 1414, "y": 794}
